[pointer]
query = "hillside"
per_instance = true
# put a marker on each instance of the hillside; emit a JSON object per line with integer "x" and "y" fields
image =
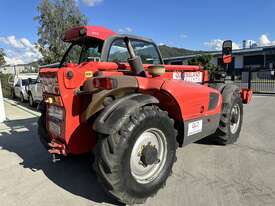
{"x": 167, "y": 51}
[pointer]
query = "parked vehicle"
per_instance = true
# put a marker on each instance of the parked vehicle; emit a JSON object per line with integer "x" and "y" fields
{"x": 112, "y": 96}
{"x": 21, "y": 86}
{"x": 34, "y": 92}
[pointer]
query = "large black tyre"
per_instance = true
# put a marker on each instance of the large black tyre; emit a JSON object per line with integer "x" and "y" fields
{"x": 232, "y": 114}
{"x": 42, "y": 132}
{"x": 113, "y": 156}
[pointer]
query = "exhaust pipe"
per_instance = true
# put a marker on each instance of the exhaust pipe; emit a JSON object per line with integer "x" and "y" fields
{"x": 134, "y": 61}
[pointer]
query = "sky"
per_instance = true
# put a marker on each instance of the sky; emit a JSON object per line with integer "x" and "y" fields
{"x": 192, "y": 24}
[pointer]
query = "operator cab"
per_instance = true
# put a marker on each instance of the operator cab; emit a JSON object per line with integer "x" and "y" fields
{"x": 92, "y": 43}
{"x": 86, "y": 44}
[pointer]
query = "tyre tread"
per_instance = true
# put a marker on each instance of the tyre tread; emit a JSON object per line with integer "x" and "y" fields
{"x": 109, "y": 148}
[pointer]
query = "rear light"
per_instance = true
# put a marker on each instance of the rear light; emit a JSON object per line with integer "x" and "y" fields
{"x": 56, "y": 100}
{"x": 105, "y": 83}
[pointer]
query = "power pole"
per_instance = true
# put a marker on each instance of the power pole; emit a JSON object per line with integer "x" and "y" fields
{"x": 2, "y": 109}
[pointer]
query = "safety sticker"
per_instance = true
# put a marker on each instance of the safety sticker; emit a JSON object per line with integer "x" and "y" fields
{"x": 195, "y": 77}
{"x": 194, "y": 127}
{"x": 177, "y": 75}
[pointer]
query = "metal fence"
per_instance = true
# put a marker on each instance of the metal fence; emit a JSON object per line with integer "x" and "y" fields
{"x": 259, "y": 80}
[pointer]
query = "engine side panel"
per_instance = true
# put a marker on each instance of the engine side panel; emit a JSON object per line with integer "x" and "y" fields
{"x": 200, "y": 109}
{"x": 193, "y": 99}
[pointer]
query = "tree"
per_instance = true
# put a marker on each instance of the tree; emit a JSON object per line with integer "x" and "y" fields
{"x": 55, "y": 18}
{"x": 204, "y": 61}
{"x": 2, "y": 57}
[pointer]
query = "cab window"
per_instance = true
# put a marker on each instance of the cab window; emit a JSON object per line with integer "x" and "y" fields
{"x": 118, "y": 52}
{"x": 147, "y": 52}
{"x": 73, "y": 55}
{"x": 83, "y": 51}
{"x": 91, "y": 51}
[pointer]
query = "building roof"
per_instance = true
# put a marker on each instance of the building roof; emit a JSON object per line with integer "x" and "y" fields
{"x": 218, "y": 53}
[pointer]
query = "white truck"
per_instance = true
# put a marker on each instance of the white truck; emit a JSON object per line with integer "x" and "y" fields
{"x": 20, "y": 85}
{"x": 34, "y": 91}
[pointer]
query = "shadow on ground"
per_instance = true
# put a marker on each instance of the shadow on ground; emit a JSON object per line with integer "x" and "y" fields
{"x": 210, "y": 140}
{"x": 74, "y": 174}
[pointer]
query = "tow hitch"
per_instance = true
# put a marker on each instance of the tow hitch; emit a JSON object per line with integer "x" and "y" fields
{"x": 57, "y": 149}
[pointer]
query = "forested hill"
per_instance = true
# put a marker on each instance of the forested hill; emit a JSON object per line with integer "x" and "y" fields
{"x": 167, "y": 51}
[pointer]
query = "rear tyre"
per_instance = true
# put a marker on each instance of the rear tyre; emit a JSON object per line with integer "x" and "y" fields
{"x": 42, "y": 132}
{"x": 134, "y": 163}
{"x": 231, "y": 120}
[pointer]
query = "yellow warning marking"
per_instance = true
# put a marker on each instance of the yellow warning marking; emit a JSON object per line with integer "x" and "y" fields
{"x": 88, "y": 74}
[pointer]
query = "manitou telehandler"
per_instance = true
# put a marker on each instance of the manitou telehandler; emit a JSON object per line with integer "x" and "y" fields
{"x": 113, "y": 96}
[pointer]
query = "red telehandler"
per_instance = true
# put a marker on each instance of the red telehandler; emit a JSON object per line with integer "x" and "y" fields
{"x": 113, "y": 96}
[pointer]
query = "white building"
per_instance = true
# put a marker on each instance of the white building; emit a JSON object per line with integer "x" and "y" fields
{"x": 17, "y": 69}
{"x": 259, "y": 57}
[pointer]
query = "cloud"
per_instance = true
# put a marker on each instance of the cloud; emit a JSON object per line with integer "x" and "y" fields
{"x": 92, "y": 2}
{"x": 216, "y": 44}
{"x": 183, "y": 36}
{"x": 20, "y": 51}
{"x": 13, "y": 60}
{"x": 10, "y": 40}
{"x": 125, "y": 30}
{"x": 264, "y": 41}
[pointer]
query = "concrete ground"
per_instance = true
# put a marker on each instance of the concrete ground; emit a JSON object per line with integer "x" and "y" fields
{"x": 204, "y": 175}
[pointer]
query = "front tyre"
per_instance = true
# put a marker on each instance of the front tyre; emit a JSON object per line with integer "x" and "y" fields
{"x": 134, "y": 163}
{"x": 231, "y": 120}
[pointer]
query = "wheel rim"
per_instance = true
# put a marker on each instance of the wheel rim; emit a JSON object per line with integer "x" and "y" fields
{"x": 235, "y": 118}
{"x": 145, "y": 174}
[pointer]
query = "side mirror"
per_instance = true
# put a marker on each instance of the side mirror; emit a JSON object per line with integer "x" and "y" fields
{"x": 227, "y": 52}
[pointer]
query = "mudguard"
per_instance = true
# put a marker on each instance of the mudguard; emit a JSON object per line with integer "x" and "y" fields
{"x": 114, "y": 115}
{"x": 228, "y": 91}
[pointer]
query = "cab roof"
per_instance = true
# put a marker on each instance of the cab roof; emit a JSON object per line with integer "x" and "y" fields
{"x": 97, "y": 32}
